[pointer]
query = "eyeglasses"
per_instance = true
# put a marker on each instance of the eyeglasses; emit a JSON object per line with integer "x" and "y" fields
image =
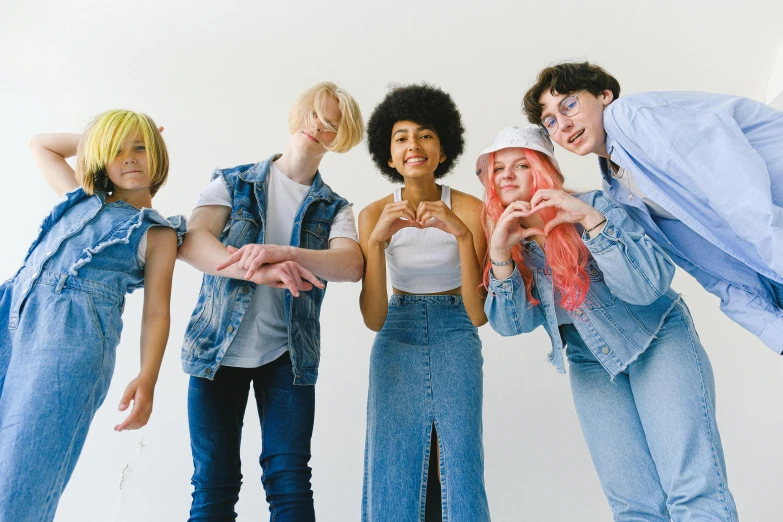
{"x": 568, "y": 107}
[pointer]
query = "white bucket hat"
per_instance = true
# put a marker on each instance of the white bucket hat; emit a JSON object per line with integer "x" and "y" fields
{"x": 527, "y": 137}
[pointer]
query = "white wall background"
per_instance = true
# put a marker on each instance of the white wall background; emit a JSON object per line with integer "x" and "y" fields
{"x": 220, "y": 78}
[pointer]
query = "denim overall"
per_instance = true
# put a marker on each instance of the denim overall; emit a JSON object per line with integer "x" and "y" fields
{"x": 62, "y": 314}
{"x": 642, "y": 383}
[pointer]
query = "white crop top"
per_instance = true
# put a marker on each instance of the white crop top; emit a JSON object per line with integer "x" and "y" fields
{"x": 424, "y": 261}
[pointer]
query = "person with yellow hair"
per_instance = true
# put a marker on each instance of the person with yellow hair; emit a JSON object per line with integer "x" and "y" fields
{"x": 62, "y": 310}
{"x": 267, "y": 237}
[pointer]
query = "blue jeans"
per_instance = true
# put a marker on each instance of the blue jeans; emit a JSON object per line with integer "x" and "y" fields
{"x": 652, "y": 432}
{"x": 425, "y": 374}
{"x": 216, "y": 410}
{"x": 55, "y": 369}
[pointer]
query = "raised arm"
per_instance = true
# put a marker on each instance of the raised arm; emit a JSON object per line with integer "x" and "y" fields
{"x": 635, "y": 268}
{"x": 378, "y": 222}
{"x": 49, "y": 152}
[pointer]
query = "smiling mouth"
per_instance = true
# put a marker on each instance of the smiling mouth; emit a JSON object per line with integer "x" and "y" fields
{"x": 417, "y": 160}
{"x": 576, "y": 136}
{"x": 311, "y": 137}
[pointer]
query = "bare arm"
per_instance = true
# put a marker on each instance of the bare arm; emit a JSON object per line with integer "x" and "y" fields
{"x": 342, "y": 261}
{"x": 201, "y": 247}
{"x": 158, "y": 271}
{"x": 49, "y": 152}
{"x": 203, "y": 250}
{"x": 374, "y": 298}
{"x": 471, "y": 249}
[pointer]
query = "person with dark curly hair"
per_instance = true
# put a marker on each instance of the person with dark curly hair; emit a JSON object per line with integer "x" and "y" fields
{"x": 423, "y": 452}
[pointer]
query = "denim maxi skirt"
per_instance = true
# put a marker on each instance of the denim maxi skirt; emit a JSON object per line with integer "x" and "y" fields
{"x": 425, "y": 371}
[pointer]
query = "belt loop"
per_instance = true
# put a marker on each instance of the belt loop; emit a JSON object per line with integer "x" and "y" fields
{"x": 61, "y": 283}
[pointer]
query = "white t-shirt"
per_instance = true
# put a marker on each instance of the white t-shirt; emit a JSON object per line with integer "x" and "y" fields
{"x": 625, "y": 178}
{"x": 263, "y": 334}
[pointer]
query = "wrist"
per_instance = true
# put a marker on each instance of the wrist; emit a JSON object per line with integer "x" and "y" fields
{"x": 500, "y": 254}
{"x": 591, "y": 219}
{"x": 148, "y": 376}
{"x": 465, "y": 237}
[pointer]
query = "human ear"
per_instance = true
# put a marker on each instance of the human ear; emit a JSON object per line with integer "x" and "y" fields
{"x": 608, "y": 97}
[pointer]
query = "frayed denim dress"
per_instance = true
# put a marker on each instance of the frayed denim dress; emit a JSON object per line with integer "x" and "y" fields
{"x": 62, "y": 313}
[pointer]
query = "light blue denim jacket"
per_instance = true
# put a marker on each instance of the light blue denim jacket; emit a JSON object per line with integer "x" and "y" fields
{"x": 628, "y": 299}
{"x": 715, "y": 162}
{"x": 223, "y": 301}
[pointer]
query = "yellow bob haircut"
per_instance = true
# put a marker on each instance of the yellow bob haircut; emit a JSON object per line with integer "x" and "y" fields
{"x": 350, "y": 129}
{"x": 110, "y": 133}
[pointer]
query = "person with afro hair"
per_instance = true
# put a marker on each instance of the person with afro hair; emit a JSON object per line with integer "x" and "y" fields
{"x": 424, "y": 452}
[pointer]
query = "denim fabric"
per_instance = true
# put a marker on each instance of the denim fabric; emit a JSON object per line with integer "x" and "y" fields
{"x": 652, "y": 432}
{"x": 222, "y": 302}
{"x": 62, "y": 323}
{"x": 716, "y": 163}
{"x": 425, "y": 370}
{"x": 628, "y": 299}
{"x": 216, "y": 410}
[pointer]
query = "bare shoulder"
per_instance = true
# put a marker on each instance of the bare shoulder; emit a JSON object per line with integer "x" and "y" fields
{"x": 161, "y": 238}
{"x": 374, "y": 209}
{"x": 465, "y": 204}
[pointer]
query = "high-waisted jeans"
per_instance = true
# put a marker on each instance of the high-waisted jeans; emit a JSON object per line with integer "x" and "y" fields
{"x": 652, "y": 432}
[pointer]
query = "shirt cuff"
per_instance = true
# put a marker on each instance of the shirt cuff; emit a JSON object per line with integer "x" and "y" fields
{"x": 507, "y": 285}
{"x": 607, "y": 238}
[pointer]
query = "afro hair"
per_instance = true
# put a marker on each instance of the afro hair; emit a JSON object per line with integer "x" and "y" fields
{"x": 425, "y": 105}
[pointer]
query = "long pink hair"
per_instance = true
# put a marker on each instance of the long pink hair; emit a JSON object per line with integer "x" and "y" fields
{"x": 566, "y": 253}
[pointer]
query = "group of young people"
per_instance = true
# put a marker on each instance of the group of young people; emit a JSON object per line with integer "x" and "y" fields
{"x": 692, "y": 179}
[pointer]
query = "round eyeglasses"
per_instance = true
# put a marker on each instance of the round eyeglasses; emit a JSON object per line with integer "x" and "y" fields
{"x": 568, "y": 107}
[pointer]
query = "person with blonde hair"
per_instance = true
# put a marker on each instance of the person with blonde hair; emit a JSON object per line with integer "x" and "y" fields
{"x": 62, "y": 310}
{"x": 267, "y": 237}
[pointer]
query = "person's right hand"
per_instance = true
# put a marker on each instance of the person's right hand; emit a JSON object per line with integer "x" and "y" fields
{"x": 394, "y": 217}
{"x": 509, "y": 231}
{"x": 287, "y": 274}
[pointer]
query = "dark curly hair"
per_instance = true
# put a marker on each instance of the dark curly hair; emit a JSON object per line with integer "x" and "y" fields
{"x": 564, "y": 78}
{"x": 425, "y": 105}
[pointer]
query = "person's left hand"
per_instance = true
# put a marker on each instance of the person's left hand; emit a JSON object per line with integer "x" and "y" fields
{"x": 251, "y": 256}
{"x": 437, "y": 214}
{"x": 140, "y": 390}
{"x": 569, "y": 209}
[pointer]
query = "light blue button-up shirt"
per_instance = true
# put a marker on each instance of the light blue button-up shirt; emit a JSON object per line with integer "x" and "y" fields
{"x": 715, "y": 162}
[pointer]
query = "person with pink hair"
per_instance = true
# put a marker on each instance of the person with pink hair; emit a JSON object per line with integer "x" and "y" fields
{"x": 642, "y": 383}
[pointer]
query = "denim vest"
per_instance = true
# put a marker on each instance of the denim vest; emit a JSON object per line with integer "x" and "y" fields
{"x": 91, "y": 245}
{"x": 223, "y": 301}
{"x": 628, "y": 299}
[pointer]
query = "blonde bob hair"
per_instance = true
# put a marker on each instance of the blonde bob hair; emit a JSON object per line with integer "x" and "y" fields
{"x": 106, "y": 137}
{"x": 310, "y": 104}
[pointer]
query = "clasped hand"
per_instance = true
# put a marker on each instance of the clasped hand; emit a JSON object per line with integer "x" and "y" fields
{"x": 271, "y": 265}
{"x": 401, "y": 214}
